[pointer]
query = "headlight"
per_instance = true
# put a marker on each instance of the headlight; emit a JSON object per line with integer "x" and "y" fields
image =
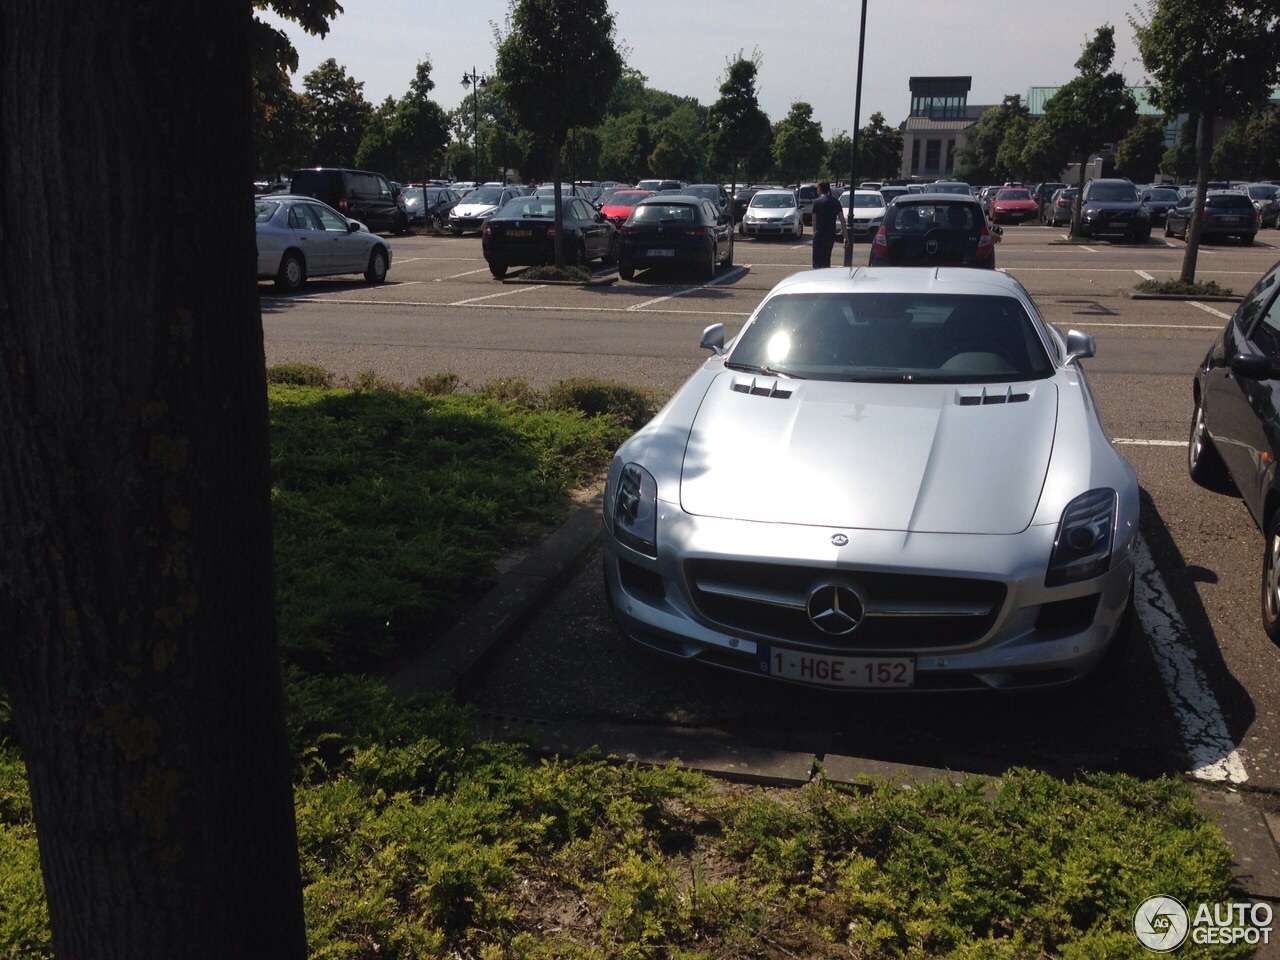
{"x": 635, "y": 510}
{"x": 1086, "y": 534}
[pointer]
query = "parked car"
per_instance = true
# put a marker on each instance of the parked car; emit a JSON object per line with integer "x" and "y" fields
{"x": 1013, "y": 205}
{"x": 566, "y": 190}
{"x": 806, "y": 193}
{"x": 1227, "y": 213}
{"x": 1266, "y": 199}
{"x": 1235, "y": 404}
{"x": 950, "y": 186}
{"x": 891, "y": 479}
{"x": 473, "y": 210}
{"x": 359, "y": 194}
{"x": 865, "y": 215}
{"x": 522, "y": 233}
{"x": 1058, "y": 211}
{"x": 773, "y": 213}
{"x": 435, "y": 212}
{"x": 892, "y": 193}
{"x": 1110, "y": 207}
{"x": 1158, "y": 201}
{"x": 618, "y": 206}
{"x": 934, "y": 229}
{"x": 1042, "y": 193}
{"x": 300, "y": 237}
{"x": 673, "y": 231}
{"x": 714, "y": 192}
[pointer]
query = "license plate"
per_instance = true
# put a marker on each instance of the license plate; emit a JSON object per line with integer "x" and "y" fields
{"x": 662, "y": 253}
{"x": 829, "y": 671}
{"x": 519, "y": 233}
{"x": 1228, "y": 219}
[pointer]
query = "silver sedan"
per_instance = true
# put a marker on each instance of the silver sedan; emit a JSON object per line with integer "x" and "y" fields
{"x": 300, "y": 237}
{"x": 892, "y": 478}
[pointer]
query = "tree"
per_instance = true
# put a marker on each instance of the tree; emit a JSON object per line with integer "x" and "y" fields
{"x": 1179, "y": 161}
{"x": 281, "y": 134}
{"x": 625, "y": 146}
{"x": 1139, "y": 152}
{"x": 737, "y": 129}
{"x": 978, "y": 157}
{"x": 137, "y": 635}
{"x": 378, "y": 148}
{"x": 338, "y": 113}
{"x": 1226, "y": 72}
{"x": 421, "y": 130}
{"x": 835, "y": 162}
{"x": 558, "y": 66}
{"x": 879, "y": 149}
{"x": 797, "y": 144}
{"x": 1093, "y": 109}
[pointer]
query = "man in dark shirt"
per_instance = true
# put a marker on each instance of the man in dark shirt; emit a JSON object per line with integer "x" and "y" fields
{"x": 826, "y": 211}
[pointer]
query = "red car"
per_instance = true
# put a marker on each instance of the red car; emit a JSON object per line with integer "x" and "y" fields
{"x": 618, "y": 207}
{"x": 1013, "y": 205}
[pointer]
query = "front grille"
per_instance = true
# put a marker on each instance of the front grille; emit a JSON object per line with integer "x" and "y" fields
{"x": 903, "y": 611}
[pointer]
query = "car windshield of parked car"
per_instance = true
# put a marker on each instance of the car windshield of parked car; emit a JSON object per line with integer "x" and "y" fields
{"x": 627, "y": 198}
{"x": 867, "y": 200}
{"x": 1263, "y": 191}
{"x": 773, "y": 201}
{"x": 1114, "y": 192}
{"x": 893, "y": 337}
{"x": 657, "y": 212}
{"x": 1014, "y": 195}
{"x": 492, "y": 196}
{"x": 1169, "y": 196}
{"x": 264, "y": 210}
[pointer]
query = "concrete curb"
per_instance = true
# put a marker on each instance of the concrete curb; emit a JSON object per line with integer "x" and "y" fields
{"x": 1252, "y": 834}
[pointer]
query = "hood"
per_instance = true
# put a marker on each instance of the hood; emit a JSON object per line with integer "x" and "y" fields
{"x": 907, "y": 457}
{"x": 465, "y": 209}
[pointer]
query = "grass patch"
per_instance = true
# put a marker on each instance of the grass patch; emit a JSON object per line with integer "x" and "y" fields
{"x": 572, "y": 274}
{"x": 418, "y": 841}
{"x": 1176, "y": 288}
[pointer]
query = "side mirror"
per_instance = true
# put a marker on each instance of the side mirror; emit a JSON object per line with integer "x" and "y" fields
{"x": 1254, "y": 367}
{"x": 713, "y": 339}
{"x": 997, "y": 229}
{"x": 353, "y": 226}
{"x": 1080, "y": 346}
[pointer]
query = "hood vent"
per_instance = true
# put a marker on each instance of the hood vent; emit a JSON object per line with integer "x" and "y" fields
{"x": 757, "y": 388}
{"x": 983, "y": 399}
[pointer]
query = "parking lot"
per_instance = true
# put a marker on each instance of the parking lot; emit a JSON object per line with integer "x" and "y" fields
{"x": 1200, "y": 693}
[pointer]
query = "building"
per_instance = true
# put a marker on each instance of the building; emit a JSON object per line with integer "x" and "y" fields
{"x": 935, "y": 128}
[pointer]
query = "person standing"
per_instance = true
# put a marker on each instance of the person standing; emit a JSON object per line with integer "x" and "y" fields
{"x": 826, "y": 211}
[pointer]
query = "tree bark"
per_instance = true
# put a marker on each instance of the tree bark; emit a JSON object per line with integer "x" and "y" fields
{"x": 137, "y": 632}
{"x": 1192, "y": 250}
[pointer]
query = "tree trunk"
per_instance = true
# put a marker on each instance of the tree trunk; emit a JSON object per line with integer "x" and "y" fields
{"x": 558, "y": 244}
{"x": 137, "y": 632}
{"x": 1197, "y": 210}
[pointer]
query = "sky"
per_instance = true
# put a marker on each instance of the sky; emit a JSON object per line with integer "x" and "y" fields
{"x": 808, "y": 48}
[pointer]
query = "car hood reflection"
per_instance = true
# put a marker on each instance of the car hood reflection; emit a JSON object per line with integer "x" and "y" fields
{"x": 891, "y": 457}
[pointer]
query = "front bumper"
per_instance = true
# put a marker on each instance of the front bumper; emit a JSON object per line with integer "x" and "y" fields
{"x": 769, "y": 228}
{"x": 695, "y": 602}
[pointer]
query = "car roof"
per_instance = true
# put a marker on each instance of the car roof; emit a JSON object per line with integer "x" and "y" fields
{"x": 936, "y": 198}
{"x": 965, "y": 281}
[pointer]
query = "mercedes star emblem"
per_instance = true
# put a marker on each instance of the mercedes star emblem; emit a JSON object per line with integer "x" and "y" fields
{"x": 835, "y": 609}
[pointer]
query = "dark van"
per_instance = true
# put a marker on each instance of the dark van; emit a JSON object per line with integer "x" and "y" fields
{"x": 358, "y": 194}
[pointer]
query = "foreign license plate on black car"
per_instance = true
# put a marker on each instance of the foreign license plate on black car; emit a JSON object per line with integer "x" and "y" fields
{"x": 519, "y": 233}
{"x": 832, "y": 671}
{"x": 662, "y": 253}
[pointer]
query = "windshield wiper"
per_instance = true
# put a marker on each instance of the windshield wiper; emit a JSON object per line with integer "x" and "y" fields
{"x": 763, "y": 370}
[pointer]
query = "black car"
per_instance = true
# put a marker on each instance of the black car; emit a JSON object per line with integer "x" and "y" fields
{"x": 1227, "y": 213}
{"x": 440, "y": 200}
{"x": 675, "y": 231}
{"x": 522, "y": 233}
{"x": 717, "y": 194}
{"x": 1110, "y": 208}
{"x": 359, "y": 194}
{"x": 934, "y": 230}
{"x": 1234, "y": 424}
{"x": 1159, "y": 201}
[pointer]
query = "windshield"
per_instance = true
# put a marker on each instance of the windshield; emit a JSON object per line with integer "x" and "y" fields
{"x": 1114, "y": 192}
{"x": 490, "y": 196}
{"x": 863, "y": 200}
{"x": 264, "y": 210}
{"x": 893, "y": 337}
{"x": 1169, "y": 195}
{"x": 1263, "y": 191}
{"x": 1014, "y": 195}
{"x": 412, "y": 196}
{"x": 627, "y": 199}
{"x": 773, "y": 201}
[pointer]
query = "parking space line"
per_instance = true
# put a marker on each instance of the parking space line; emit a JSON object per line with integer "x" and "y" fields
{"x": 1129, "y": 441}
{"x": 1079, "y": 322}
{"x": 1208, "y": 743}
{"x": 494, "y": 296}
{"x": 467, "y": 274}
{"x": 1089, "y": 249}
{"x": 1144, "y": 275}
{"x": 684, "y": 293}
{"x": 1208, "y": 309}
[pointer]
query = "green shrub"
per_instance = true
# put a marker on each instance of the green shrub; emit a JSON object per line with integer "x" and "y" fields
{"x": 1176, "y": 288}
{"x": 553, "y": 273}
{"x": 633, "y": 406}
{"x": 299, "y": 375}
{"x": 370, "y": 380}
{"x": 512, "y": 390}
{"x": 438, "y": 384}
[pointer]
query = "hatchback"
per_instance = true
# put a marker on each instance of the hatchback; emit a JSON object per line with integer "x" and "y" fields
{"x": 671, "y": 231}
{"x": 1227, "y": 213}
{"x": 865, "y": 216}
{"x": 773, "y": 213}
{"x": 931, "y": 229}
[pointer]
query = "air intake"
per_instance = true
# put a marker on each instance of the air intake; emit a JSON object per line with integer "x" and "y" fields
{"x": 984, "y": 399}
{"x": 756, "y": 388}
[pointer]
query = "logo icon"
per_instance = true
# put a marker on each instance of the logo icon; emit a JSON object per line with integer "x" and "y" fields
{"x": 1161, "y": 923}
{"x": 839, "y": 540}
{"x": 835, "y": 609}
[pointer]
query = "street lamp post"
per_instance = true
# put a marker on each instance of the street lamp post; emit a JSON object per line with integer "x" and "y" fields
{"x": 478, "y": 80}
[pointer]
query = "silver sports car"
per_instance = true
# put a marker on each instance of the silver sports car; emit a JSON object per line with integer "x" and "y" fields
{"x": 891, "y": 478}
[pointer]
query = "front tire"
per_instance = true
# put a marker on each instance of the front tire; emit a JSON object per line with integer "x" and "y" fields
{"x": 711, "y": 264}
{"x": 293, "y": 272}
{"x": 1168, "y": 230}
{"x": 499, "y": 270}
{"x": 1204, "y": 463}
{"x": 1271, "y": 579}
{"x": 626, "y": 271}
{"x": 376, "y": 272}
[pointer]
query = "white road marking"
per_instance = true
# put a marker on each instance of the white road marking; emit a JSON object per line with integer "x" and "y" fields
{"x": 467, "y": 274}
{"x": 1089, "y": 249}
{"x": 494, "y": 296}
{"x": 1209, "y": 747}
{"x": 1149, "y": 443}
{"x": 1208, "y": 309}
{"x": 634, "y": 308}
{"x": 1081, "y": 322}
{"x": 1144, "y": 275}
